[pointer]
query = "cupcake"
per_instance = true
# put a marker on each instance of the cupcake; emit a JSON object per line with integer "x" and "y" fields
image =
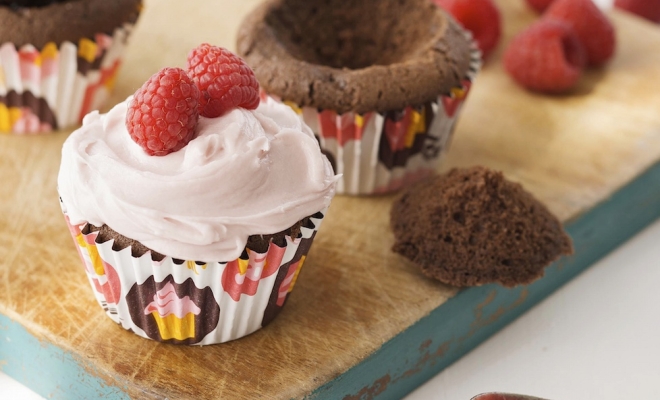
{"x": 380, "y": 83}
{"x": 59, "y": 59}
{"x": 194, "y": 238}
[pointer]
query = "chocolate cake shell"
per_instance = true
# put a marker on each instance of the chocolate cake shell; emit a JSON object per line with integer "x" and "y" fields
{"x": 380, "y": 83}
{"x": 367, "y": 56}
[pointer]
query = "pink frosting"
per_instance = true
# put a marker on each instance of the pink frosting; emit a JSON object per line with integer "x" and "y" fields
{"x": 245, "y": 173}
{"x": 166, "y": 302}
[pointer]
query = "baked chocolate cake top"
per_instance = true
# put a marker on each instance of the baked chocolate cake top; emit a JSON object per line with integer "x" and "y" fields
{"x": 471, "y": 227}
{"x": 258, "y": 243}
{"x": 63, "y": 20}
{"x": 367, "y": 55}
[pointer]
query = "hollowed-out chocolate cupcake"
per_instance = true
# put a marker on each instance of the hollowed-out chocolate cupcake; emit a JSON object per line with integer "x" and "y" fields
{"x": 59, "y": 59}
{"x": 380, "y": 83}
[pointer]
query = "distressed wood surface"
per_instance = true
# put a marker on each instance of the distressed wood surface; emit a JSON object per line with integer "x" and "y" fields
{"x": 571, "y": 151}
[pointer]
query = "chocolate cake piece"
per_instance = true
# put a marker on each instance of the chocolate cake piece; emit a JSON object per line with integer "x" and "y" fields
{"x": 471, "y": 226}
{"x": 40, "y": 22}
{"x": 363, "y": 56}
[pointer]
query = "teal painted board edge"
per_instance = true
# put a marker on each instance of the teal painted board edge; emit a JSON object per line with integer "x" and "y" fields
{"x": 48, "y": 370}
{"x": 407, "y": 360}
{"x": 449, "y": 332}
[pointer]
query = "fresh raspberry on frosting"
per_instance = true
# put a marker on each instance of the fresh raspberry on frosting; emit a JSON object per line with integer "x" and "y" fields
{"x": 224, "y": 80}
{"x": 162, "y": 115}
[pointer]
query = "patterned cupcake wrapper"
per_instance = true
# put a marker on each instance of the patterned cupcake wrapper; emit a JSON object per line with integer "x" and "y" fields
{"x": 382, "y": 152}
{"x": 54, "y": 87}
{"x": 192, "y": 302}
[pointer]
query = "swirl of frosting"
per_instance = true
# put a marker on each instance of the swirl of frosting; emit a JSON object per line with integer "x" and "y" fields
{"x": 245, "y": 173}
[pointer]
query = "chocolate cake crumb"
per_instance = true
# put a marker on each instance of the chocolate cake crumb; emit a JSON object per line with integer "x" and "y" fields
{"x": 471, "y": 226}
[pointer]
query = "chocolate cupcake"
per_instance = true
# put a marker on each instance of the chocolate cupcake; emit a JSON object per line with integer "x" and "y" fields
{"x": 59, "y": 59}
{"x": 192, "y": 228}
{"x": 379, "y": 83}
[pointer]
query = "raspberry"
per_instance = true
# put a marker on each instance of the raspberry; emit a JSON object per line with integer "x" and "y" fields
{"x": 591, "y": 26}
{"x": 649, "y": 9}
{"x": 546, "y": 57}
{"x": 481, "y": 17}
{"x": 539, "y": 5}
{"x": 224, "y": 80}
{"x": 163, "y": 113}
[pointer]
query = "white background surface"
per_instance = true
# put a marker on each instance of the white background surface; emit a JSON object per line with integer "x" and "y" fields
{"x": 598, "y": 337}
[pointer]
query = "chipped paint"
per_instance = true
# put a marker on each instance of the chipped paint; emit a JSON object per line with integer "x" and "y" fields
{"x": 482, "y": 319}
{"x": 370, "y": 392}
{"x": 427, "y": 359}
{"x": 49, "y": 370}
{"x": 425, "y": 345}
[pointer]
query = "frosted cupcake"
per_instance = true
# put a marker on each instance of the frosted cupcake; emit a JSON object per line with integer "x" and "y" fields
{"x": 380, "y": 83}
{"x": 194, "y": 232}
{"x": 59, "y": 59}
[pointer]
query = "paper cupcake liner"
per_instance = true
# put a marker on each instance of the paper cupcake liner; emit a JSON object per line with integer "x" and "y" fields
{"x": 192, "y": 302}
{"x": 56, "y": 86}
{"x": 382, "y": 152}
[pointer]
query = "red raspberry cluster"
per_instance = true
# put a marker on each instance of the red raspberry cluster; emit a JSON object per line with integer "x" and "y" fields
{"x": 163, "y": 114}
{"x": 648, "y": 9}
{"x": 225, "y": 80}
{"x": 550, "y": 55}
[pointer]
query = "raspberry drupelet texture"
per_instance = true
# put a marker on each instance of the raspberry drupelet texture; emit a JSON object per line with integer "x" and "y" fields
{"x": 163, "y": 113}
{"x": 546, "y": 57}
{"x": 225, "y": 81}
{"x": 649, "y": 9}
{"x": 592, "y": 27}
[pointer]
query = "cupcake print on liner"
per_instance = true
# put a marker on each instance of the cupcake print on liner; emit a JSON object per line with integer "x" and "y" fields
{"x": 185, "y": 172}
{"x": 54, "y": 88}
{"x": 45, "y": 87}
{"x": 383, "y": 99}
{"x": 191, "y": 302}
{"x": 382, "y": 152}
{"x": 172, "y": 314}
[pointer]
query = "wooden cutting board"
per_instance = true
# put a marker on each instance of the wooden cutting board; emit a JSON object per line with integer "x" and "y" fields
{"x": 362, "y": 322}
